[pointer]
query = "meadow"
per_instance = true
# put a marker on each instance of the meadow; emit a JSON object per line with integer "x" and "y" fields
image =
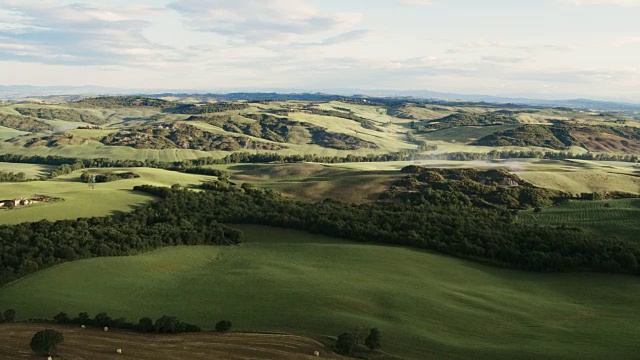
{"x": 80, "y": 200}
{"x": 31, "y": 171}
{"x": 606, "y": 217}
{"x": 426, "y": 306}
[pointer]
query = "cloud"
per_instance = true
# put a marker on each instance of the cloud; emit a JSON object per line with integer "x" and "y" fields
{"x": 417, "y": 2}
{"x": 80, "y": 34}
{"x": 348, "y": 36}
{"x": 605, "y": 2}
{"x": 261, "y": 20}
{"x": 492, "y": 45}
{"x": 503, "y": 59}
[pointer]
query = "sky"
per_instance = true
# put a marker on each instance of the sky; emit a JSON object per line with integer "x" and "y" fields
{"x": 533, "y": 48}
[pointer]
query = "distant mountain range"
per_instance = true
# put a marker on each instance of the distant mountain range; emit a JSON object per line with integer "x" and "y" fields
{"x": 21, "y": 92}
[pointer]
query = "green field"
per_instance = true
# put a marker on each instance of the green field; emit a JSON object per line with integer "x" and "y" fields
{"x": 315, "y": 181}
{"x": 621, "y": 218}
{"x": 427, "y": 306}
{"x": 82, "y": 201}
{"x": 32, "y": 171}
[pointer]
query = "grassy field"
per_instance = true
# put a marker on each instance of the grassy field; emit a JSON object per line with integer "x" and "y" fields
{"x": 464, "y": 134}
{"x": 427, "y": 306}
{"x": 97, "y": 345}
{"x": 82, "y": 201}
{"x": 620, "y": 218}
{"x": 94, "y": 149}
{"x": 30, "y": 170}
{"x": 315, "y": 181}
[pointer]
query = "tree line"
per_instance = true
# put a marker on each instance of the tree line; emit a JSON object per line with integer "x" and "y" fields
{"x": 6, "y": 176}
{"x": 29, "y": 247}
{"x": 450, "y": 226}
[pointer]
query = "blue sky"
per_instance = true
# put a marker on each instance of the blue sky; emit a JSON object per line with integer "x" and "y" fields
{"x": 537, "y": 48}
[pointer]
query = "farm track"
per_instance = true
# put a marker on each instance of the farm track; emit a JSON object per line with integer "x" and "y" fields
{"x": 95, "y": 344}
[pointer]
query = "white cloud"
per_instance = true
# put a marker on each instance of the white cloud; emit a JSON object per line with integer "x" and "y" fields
{"x": 76, "y": 33}
{"x": 605, "y": 2}
{"x": 417, "y": 2}
{"x": 276, "y": 21}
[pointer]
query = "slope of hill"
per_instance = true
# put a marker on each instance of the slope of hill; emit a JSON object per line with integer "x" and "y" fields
{"x": 429, "y": 306}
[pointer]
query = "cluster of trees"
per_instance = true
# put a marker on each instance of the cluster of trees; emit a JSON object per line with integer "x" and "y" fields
{"x": 467, "y": 119}
{"x": 8, "y": 316}
{"x": 531, "y": 135}
{"x": 340, "y": 141}
{"x": 450, "y": 226}
{"x": 28, "y": 247}
{"x": 558, "y": 136}
{"x": 490, "y": 188}
{"x": 206, "y": 108}
{"x": 347, "y": 342}
{"x": 23, "y": 123}
{"x": 12, "y": 177}
{"x": 48, "y": 113}
{"x": 267, "y": 126}
{"x": 46, "y": 341}
{"x": 123, "y": 101}
{"x": 182, "y": 136}
{"x": 164, "y": 325}
{"x": 108, "y": 177}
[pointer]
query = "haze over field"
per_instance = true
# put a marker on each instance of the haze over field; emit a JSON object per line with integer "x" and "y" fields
{"x": 541, "y": 49}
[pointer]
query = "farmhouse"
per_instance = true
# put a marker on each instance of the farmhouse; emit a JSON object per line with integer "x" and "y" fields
{"x": 23, "y": 201}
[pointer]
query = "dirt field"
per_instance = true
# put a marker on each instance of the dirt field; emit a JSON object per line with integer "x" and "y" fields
{"x": 97, "y": 345}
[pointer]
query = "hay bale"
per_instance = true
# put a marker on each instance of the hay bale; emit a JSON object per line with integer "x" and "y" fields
{"x": 118, "y": 351}
{"x": 83, "y": 327}
{"x": 316, "y": 353}
{"x": 106, "y": 328}
{"x": 50, "y": 358}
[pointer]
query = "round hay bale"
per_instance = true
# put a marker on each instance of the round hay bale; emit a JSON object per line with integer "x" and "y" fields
{"x": 316, "y": 353}
{"x": 83, "y": 327}
{"x": 118, "y": 351}
{"x": 106, "y": 328}
{"x": 50, "y": 358}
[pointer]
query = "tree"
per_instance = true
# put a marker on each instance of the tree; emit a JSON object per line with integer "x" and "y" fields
{"x": 145, "y": 325}
{"x": 372, "y": 341}
{"x": 83, "y": 318}
{"x": 102, "y": 320}
{"x": 345, "y": 344}
{"x": 223, "y": 326}
{"x": 62, "y": 318}
{"x": 9, "y": 315}
{"x": 167, "y": 324}
{"x": 45, "y": 342}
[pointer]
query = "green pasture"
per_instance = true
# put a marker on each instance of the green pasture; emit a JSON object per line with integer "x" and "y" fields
{"x": 619, "y": 218}
{"x": 426, "y": 306}
{"x": 80, "y": 200}
{"x": 93, "y": 149}
{"x": 32, "y": 171}
{"x": 464, "y": 134}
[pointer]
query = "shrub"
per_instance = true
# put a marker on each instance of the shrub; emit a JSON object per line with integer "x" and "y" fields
{"x": 223, "y": 326}
{"x": 45, "y": 342}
